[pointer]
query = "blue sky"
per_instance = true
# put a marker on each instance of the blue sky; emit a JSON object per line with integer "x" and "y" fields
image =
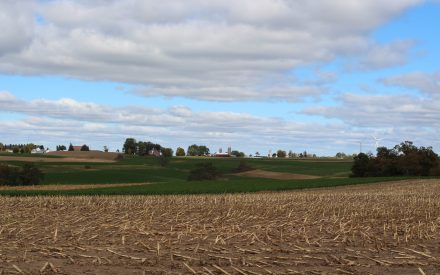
{"x": 255, "y": 75}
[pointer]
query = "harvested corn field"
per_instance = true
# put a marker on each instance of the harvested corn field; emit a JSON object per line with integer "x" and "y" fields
{"x": 376, "y": 229}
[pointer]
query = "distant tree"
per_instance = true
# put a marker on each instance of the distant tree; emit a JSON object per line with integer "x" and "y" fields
{"x": 404, "y": 159}
{"x": 16, "y": 150}
{"x": 340, "y": 155}
{"x": 165, "y": 157}
{"x": 237, "y": 154}
{"x": 27, "y": 175}
{"x": 243, "y": 166}
{"x": 157, "y": 147}
{"x": 305, "y": 155}
{"x": 274, "y": 155}
{"x": 85, "y": 148}
{"x": 61, "y": 148}
{"x": 106, "y": 149}
{"x": 281, "y": 154}
{"x": 2, "y": 147}
{"x": 167, "y": 152}
{"x": 30, "y": 175}
{"x": 145, "y": 148}
{"x": 180, "y": 152}
{"x": 415, "y": 161}
{"x": 130, "y": 146}
{"x": 8, "y": 175}
{"x": 196, "y": 150}
{"x": 203, "y": 150}
{"x": 362, "y": 165}
{"x": 193, "y": 150}
{"x": 71, "y": 148}
{"x": 142, "y": 148}
{"x": 204, "y": 171}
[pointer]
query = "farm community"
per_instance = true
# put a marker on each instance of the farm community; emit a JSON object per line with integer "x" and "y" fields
{"x": 148, "y": 210}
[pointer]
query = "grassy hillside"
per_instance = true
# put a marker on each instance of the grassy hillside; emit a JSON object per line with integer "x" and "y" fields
{"x": 172, "y": 178}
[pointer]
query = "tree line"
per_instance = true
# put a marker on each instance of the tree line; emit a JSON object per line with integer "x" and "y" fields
{"x": 29, "y": 147}
{"x": 283, "y": 154}
{"x": 405, "y": 159}
{"x": 20, "y": 148}
{"x": 145, "y": 148}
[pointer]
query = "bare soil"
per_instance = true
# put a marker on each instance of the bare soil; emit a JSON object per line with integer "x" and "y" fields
{"x": 86, "y": 155}
{"x": 389, "y": 228}
{"x": 275, "y": 175}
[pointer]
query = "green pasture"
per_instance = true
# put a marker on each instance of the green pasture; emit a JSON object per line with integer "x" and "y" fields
{"x": 171, "y": 179}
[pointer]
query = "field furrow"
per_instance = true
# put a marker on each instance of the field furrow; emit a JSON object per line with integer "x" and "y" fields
{"x": 388, "y": 228}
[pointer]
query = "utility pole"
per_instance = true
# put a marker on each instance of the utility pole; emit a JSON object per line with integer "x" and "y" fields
{"x": 360, "y": 147}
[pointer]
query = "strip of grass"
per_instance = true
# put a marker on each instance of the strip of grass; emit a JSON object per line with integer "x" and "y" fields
{"x": 102, "y": 176}
{"x": 233, "y": 185}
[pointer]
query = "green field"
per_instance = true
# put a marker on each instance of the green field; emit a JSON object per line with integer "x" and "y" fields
{"x": 172, "y": 178}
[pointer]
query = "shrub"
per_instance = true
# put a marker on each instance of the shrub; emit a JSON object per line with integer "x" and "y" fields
{"x": 27, "y": 175}
{"x": 180, "y": 152}
{"x": 163, "y": 160}
{"x": 243, "y": 166}
{"x": 30, "y": 175}
{"x": 204, "y": 171}
{"x": 8, "y": 175}
{"x": 435, "y": 171}
{"x": 281, "y": 154}
{"x": 119, "y": 157}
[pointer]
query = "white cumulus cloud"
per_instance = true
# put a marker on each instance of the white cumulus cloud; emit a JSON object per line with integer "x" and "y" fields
{"x": 209, "y": 50}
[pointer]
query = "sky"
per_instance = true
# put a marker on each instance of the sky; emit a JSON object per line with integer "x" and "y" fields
{"x": 324, "y": 76}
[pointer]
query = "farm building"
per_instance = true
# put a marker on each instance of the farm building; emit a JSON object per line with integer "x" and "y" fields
{"x": 155, "y": 153}
{"x": 38, "y": 151}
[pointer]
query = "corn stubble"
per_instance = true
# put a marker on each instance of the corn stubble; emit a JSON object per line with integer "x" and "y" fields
{"x": 388, "y": 228}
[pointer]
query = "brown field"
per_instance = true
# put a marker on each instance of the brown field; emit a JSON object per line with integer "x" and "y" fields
{"x": 90, "y": 156}
{"x": 68, "y": 186}
{"x": 98, "y": 155}
{"x": 275, "y": 175}
{"x": 372, "y": 229}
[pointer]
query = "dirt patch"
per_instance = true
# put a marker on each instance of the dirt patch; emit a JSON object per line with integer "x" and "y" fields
{"x": 55, "y": 160}
{"x": 389, "y": 228}
{"x": 68, "y": 186}
{"x": 275, "y": 175}
{"x": 86, "y": 155}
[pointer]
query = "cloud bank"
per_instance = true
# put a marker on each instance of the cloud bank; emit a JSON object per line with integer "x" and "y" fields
{"x": 228, "y": 50}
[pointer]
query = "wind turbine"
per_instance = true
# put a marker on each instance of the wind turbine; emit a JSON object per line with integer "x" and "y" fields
{"x": 376, "y": 141}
